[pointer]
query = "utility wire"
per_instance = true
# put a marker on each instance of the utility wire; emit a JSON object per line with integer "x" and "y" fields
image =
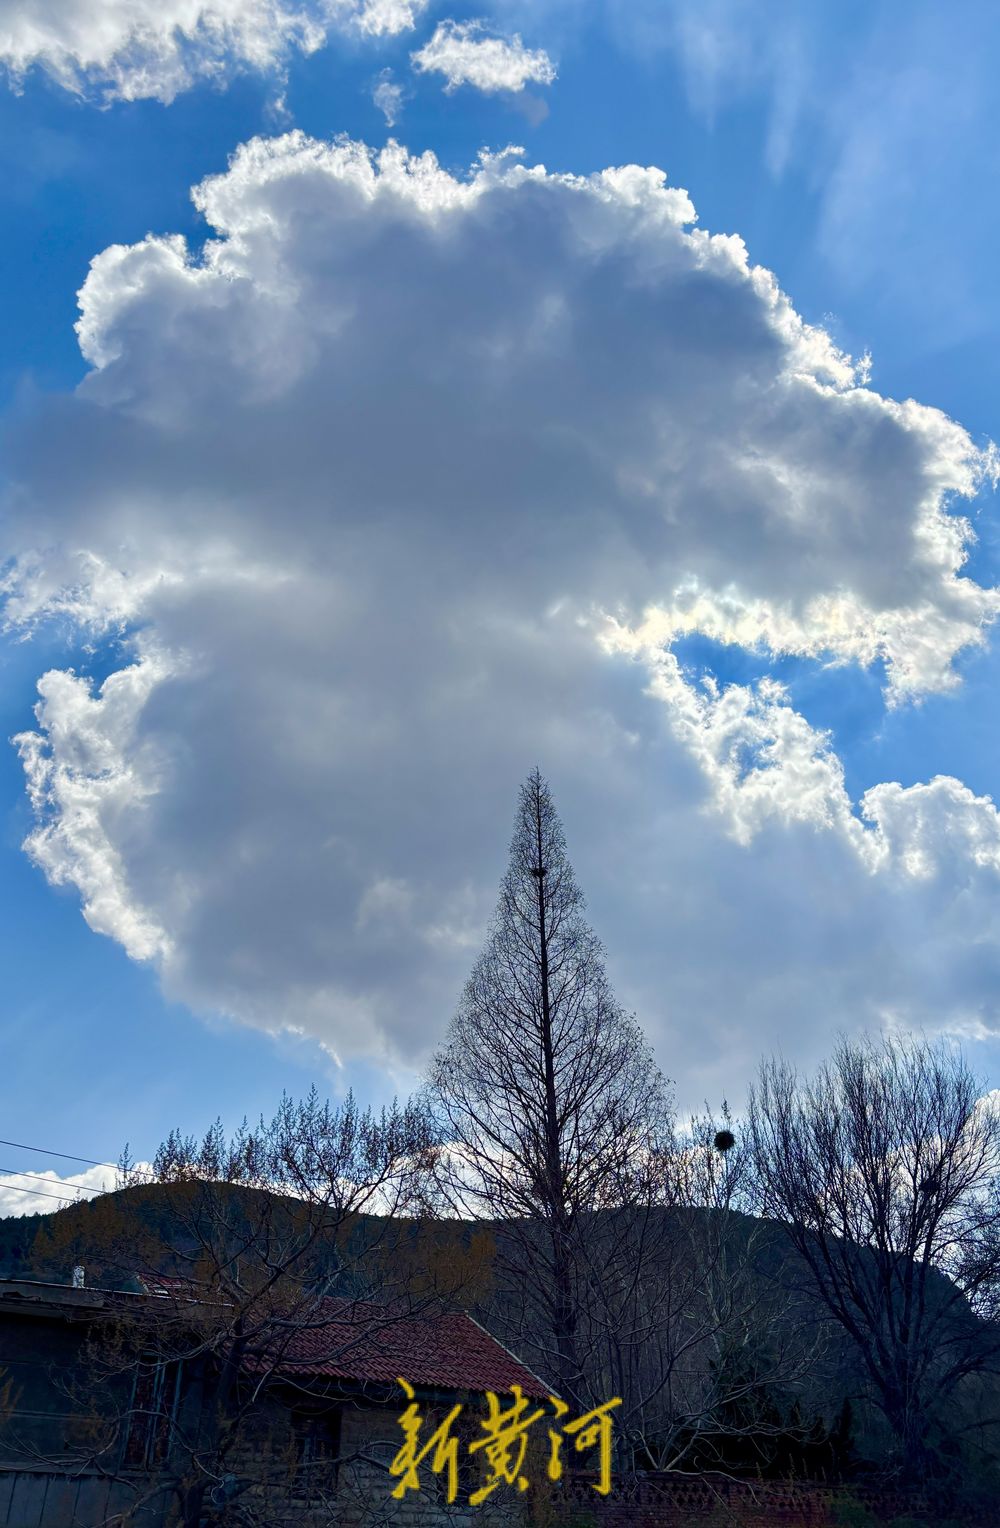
{"x": 65, "y": 1156}
{"x": 43, "y": 1151}
{"x": 63, "y": 1198}
{"x": 88, "y": 1188}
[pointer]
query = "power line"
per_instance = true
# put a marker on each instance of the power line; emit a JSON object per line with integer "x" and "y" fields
{"x": 63, "y": 1198}
{"x": 44, "y": 1151}
{"x": 88, "y": 1188}
{"x": 65, "y": 1156}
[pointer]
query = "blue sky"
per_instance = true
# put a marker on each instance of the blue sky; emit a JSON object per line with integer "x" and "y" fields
{"x": 263, "y": 922}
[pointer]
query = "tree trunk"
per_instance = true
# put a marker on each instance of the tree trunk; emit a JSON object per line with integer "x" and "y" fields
{"x": 564, "y": 1313}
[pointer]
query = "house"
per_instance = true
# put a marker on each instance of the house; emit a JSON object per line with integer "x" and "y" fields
{"x": 314, "y": 1446}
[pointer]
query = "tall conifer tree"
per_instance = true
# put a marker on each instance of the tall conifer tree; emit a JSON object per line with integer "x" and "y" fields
{"x": 546, "y": 1088}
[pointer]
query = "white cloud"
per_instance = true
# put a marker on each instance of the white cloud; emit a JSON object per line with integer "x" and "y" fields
{"x": 43, "y": 1191}
{"x": 466, "y": 55}
{"x": 388, "y": 97}
{"x": 764, "y": 764}
{"x": 387, "y": 18}
{"x": 136, "y": 49}
{"x": 92, "y": 773}
{"x": 408, "y": 482}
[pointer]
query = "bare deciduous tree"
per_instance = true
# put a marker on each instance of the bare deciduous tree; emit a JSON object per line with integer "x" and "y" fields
{"x": 683, "y": 1318}
{"x": 883, "y": 1170}
{"x": 546, "y": 1090}
{"x": 622, "y": 1266}
{"x": 242, "y": 1246}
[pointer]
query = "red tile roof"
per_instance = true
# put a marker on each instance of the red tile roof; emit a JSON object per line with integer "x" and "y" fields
{"x": 363, "y": 1343}
{"x": 441, "y": 1352}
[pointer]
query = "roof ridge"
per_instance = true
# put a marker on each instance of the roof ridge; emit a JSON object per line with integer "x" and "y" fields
{"x": 511, "y": 1354}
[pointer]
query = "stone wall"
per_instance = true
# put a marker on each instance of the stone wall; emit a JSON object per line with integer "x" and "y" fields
{"x": 356, "y": 1493}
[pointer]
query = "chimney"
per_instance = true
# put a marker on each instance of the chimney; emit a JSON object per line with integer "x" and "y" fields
{"x": 79, "y": 1277}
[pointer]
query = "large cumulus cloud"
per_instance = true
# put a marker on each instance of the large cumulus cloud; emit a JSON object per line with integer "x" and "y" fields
{"x": 407, "y": 481}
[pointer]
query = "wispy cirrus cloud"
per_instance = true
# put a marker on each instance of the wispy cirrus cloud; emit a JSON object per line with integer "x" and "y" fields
{"x": 883, "y": 120}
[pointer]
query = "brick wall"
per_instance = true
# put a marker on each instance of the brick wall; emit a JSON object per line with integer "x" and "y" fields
{"x": 715, "y": 1501}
